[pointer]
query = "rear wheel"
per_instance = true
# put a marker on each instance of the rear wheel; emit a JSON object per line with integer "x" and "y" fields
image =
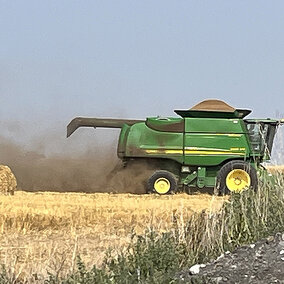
{"x": 236, "y": 176}
{"x": 162, "y": 182}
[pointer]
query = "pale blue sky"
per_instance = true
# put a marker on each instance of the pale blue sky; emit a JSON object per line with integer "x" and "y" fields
{"x": 133, "y": 59}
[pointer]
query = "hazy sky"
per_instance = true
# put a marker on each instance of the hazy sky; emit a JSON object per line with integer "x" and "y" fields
{"x": 61, "y": 59}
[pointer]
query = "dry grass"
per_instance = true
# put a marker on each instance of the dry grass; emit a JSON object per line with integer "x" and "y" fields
{"x": 275, "y": 169}
{"x": 44, "y": 231}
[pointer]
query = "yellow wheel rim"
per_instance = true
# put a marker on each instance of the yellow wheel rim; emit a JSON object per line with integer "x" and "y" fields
{"x": 162, "y": 185}
{"x": 238, "y": 180}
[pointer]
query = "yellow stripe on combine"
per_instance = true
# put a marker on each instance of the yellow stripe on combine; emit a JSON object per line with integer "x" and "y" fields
{"x": 164, "y": 151}
{"x": 217, "y": 134}
{"x": 193, "y": 152}
{"x": 213, "y": 153}
{"x": 226, "y": 134}
{"x": 234, "y": 135}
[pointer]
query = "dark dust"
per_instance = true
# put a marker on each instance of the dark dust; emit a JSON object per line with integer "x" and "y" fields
{"x": 83, "y": 172}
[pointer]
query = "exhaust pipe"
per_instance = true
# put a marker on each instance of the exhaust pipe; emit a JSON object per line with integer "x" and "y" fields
{"x": 98, "y": 122}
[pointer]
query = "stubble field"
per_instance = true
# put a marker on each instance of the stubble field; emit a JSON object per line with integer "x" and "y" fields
{"x": 45, "y": 231}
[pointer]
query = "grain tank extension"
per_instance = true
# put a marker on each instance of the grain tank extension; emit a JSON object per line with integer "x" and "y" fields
{"x": 209, "y": 145}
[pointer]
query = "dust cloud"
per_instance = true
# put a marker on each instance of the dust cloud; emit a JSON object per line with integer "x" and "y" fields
{"x": 35, "y": 171}
{"x": 42, "y": 159}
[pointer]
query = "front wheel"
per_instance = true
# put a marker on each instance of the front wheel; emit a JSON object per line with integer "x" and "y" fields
{"x": 162, "y": 182}
{"x": 236, "y": 176}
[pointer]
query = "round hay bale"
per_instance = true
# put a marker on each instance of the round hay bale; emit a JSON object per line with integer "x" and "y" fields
{"x": 8, "y": 182}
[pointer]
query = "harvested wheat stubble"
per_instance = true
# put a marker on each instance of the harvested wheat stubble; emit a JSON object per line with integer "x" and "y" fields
{"x": 8, "y": 182}
{"x": 42, "y": 231}
{"x": 274, "y": 169}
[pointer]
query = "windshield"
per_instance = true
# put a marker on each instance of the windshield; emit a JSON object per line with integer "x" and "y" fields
{"x": 261, "y": 137}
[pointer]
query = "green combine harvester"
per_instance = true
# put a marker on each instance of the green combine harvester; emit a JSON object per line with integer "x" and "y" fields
{"x": 211, "y": 145}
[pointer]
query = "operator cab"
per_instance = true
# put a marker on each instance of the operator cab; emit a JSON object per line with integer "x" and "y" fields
{"x": 261, "y": 134}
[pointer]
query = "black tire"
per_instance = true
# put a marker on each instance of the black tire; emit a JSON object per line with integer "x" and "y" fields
{"x": 165, "y": 177}
{"x": 221, "y": 184}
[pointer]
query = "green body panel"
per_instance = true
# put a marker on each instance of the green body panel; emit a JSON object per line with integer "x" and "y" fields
{"x": 166, "y": 124}
{"x": 203, "y": 142}
{"x": 143, "y": 141}
{"x": 210, "y": 142}
{"x": 213, "y": 125}
{"x": 200, "y": 150}
{"x": 122, "y": 141}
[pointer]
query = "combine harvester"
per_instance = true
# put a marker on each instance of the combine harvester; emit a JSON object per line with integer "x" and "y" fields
{"x": 211, "y": 145}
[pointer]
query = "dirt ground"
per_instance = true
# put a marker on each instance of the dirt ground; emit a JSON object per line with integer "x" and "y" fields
{"x": 259, "y": 263}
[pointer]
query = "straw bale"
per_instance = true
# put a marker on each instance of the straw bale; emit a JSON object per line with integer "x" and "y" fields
{"x": 8, "y": 182}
